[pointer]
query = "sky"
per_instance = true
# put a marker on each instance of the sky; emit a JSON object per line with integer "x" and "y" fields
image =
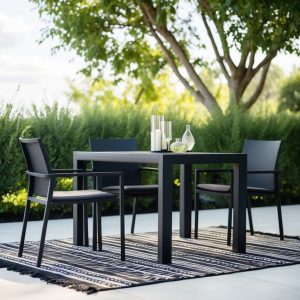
{"x": 29, "y": 73}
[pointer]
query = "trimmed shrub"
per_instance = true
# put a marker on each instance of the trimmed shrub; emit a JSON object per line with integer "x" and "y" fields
{"x": 63, "y": 132}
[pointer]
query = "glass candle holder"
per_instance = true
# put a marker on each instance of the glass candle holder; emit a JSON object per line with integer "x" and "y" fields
{"x": 166, "y": 134}
{"x": 156, "y": 132}
{"x": 178, "y": 146}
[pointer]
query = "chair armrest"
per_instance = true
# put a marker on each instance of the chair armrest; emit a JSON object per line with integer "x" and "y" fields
{"x": 148, "y": 169}
{"x": 67, "y": 170}
{"x": 34, "y": 174}
{"x": 85, "y": 174}
{"x": 214, "y": 170}
{"x": 53, "y": 176}
{"x": 198, "y": 171}
{"x": 72, "y": 174}
{"x": 264, "y": 172}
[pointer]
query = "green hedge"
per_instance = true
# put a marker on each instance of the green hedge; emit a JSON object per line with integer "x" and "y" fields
{"x": 64, "y": 132}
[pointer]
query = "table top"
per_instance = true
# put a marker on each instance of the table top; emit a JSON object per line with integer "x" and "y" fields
{"x": 157, "y": 157}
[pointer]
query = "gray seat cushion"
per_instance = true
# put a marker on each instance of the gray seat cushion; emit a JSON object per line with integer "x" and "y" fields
{"x": 218, "y": 188}
{"x": 254, "y": 190}
{"x": 225, "y": 189}
{"x": 86, "y": 195}
{"x": 148, "y": 189}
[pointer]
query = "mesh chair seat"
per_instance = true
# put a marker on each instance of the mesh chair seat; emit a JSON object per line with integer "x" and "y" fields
{"x": 222, "y": 188}
{"x": 216, "y": 188}
{"x": 84, "y": 195}
{"x": 134, "y": 189}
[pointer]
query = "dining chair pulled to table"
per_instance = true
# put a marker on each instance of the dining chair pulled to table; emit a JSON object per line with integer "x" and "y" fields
{"x": 133, "y": 186}
{"x": 41, "y": 189}
{"x": 262, "y": 179}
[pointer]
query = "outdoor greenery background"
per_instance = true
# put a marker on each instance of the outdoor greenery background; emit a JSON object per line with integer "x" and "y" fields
{"x": 134, "y": 55}
{"x": 64, "y": 130}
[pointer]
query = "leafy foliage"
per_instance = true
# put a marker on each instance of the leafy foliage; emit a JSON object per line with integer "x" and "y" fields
{"x": 267, "y": 25}
{"x": 63, "y": 133}
{"x": 163, "y": 94}
{"x": 137, "y": 39}
{"x": 290, "y": 93}
{"x": 12, "y": 204}
{"x": 104, "y": 32}
{"x": 11, "y": 126}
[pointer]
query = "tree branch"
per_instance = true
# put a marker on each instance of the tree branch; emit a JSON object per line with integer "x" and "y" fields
{"x": 265, "y": 61}
{"x": 171, "y": 61}
{"x": 217, "y": 53}
{"x": 250, "y": 73}
{"x": 139, "y": 95}
{"x": 251, "y": 59}
{"x": 204, "y": 5}
{"x": 244, "y": 56}
{"x": 260, "y": 86}
{"x": 208, "y": 99}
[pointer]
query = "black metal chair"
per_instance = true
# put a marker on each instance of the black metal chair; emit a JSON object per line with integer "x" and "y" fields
{"x": 262, "y": 179}
{"x": 41, "y": 189}
{"x": 132, "y": 172}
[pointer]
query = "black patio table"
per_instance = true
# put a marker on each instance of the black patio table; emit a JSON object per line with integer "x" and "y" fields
{"x": 165, "y": 162}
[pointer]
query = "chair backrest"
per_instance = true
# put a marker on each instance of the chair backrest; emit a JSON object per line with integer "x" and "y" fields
{"x": 36, "y": 161}
{"x": 261, "y": 156}
{"x": 131, "y": 171}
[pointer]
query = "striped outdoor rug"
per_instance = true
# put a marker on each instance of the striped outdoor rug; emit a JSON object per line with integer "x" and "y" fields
{"x": 86, "y": 270}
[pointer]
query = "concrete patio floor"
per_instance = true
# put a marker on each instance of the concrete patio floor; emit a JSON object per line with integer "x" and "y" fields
{"x": 274, "y": 283}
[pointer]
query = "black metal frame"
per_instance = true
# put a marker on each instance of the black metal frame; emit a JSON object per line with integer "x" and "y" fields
{"x": 230, "y": 206}
{"x": 165, "y": 162}
{"x": 135, "y": 198}
{"x": 50, "y": 176}
{"x": 128, "y": 145}
{"x": 275, "y": 192}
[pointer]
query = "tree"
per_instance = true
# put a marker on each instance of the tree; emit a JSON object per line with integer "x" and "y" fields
{"x": 121, "y": 33}
{"x": 290, "y": 93}
{"x": 162, "y": 96}
{"x": 271, "y": 87}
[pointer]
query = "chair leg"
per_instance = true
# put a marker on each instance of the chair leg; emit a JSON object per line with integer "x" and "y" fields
{"x": 196, "y": 208}
{"x": 85, "y": 225}
{"x": 278, "y": 202}
{"x": 94, "y": 213}
{"x": 99, "y": 225}
{"x": 250, "y": 215}
{"x": 230, "y": 205}
{"x": 43, "y": 235}
{"x": 133, "y": 215}
{"x": 122, "y": 228}
{"x": 25, "y": 219}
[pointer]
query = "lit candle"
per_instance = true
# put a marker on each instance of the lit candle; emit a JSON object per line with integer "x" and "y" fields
{"x": 153, "y": 146}
{"x": 157, "y": 140}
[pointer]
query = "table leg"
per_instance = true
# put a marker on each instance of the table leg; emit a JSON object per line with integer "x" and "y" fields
{"x": 165, "y": 211}
{"x": 239, "y": 204}
{"x": 185, "y": 200}
{"x": 78, "y": 210}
